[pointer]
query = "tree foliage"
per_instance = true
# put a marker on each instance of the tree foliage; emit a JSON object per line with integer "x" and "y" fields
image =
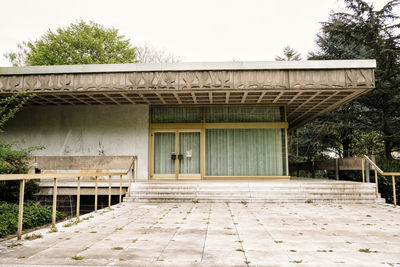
{"x": 148, "y": 54}
{"x": 289, "y": 54}
{"x": 10, "y": 105}
{"x": 13, "y": 159}
{"x": 79, "y": 43}
{"x": 370, "y": 123}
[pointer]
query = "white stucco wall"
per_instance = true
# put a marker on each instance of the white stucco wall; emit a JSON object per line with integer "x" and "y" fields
{"x": 114, "y": 130}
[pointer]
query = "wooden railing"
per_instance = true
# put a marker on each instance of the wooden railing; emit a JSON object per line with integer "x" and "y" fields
{"x": 96, "y": 175}
{"x": 377, "y": 169}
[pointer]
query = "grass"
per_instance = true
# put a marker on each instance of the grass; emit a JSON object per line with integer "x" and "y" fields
{"x": 53, "y": 230}
{"x": 33, "y": 236}
{"x": 323, "y": 250}
{"x": 240, "y": 250}
{"x": 14, "y": 244}
{"x": 278, "y": 241}
{"x": 118, "y": 248}
{"x": 309, "y": 201}
{"x": 77, "y": 257}
{"x": 299, "y": 261}
{"x": 119, "y": 229}
{"x": 367, "y": 250}
{"x": 243, "y": 202}
{"x": 71, "y": 223}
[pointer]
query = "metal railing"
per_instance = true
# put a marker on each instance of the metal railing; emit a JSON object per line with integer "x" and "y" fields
{"x": 377, "y": 169}
{"x": 96, "y": 175}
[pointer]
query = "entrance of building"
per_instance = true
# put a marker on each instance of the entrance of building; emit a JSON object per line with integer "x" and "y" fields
{"x": 176, "y": 154}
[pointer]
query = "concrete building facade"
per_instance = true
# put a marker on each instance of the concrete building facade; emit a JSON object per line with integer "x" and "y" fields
{"x": 181, "y": 120}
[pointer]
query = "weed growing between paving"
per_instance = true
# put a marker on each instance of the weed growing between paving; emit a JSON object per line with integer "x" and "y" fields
{"x": 367, "y": 250}
{"x": 33, "y": 236}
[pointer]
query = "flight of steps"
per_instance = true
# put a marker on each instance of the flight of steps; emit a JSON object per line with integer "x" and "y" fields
{"x": 258, "y": 191}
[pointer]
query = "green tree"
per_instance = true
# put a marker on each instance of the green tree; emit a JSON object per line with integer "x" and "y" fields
{"x": 79, "y": 43}
{"x": 289, "y": 54}
{"x": 363, "y": 32}
{"x": 13, "y": 159}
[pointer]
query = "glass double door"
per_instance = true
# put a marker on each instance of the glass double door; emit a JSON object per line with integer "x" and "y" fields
{"x": 176, "y": 154}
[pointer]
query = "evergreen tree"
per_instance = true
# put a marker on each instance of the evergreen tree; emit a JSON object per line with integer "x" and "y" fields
{"x": 363, "y": 32}
{"x": 289, "y": 54}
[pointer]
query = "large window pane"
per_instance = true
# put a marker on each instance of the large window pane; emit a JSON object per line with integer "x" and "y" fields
{"x": 164, "y": 146}
{"x": 245, "y": 152}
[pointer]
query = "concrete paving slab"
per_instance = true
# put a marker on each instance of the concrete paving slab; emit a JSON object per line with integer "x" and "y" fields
{"x": 218, "y": 234}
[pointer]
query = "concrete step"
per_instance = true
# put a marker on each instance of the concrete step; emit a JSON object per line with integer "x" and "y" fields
{"x": 267, "y": 191}
{"x": 254, "y": 200}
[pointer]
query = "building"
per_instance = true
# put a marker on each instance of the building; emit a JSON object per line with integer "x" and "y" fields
{"x": 182, "y": 120}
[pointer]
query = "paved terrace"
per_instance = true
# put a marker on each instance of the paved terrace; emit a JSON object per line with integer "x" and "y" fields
{"x": 219, "y": 234}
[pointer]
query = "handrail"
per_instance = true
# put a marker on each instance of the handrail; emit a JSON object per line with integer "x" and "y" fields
{"x": 377, "y": 169}
{"x": 30, "y": 176}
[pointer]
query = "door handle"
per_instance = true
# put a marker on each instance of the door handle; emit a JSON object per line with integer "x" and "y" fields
{"x": 173, "y": 156}
{"x": 180, "y": 156}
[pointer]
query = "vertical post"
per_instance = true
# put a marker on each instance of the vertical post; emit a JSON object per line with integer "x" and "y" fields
{"x": 362, "y": 169}
{"x": 95, "y": 195}
{"x": 394, "y": 191}
{"x": 109, "y": 191}
{"x": 367, "y": 171}
{"x": 78, "y": 198}
{"x": 313, "y": 169}
{"x": 136, "y": 168}
{"x": 298, "y": 170}
{"x": 20, "y": 208}
{"x": 120, "y": 189}
{"x": 337, "y": 169}
{"x": 53, "y": 219}
{"x": 376, "y": 177}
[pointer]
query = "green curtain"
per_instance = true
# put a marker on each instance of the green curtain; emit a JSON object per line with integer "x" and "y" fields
{"x": 245, "y": 152}
{"x": 245, "y": 114}
{"x": 176, "y": 115}
{"x": 189, "y": 143}
{"x": 164, "y": 145}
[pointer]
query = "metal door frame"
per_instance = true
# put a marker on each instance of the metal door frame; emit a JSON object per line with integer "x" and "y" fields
{"x": 177, "y": 175}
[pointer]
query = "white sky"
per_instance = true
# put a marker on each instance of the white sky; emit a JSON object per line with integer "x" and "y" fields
{"x": 202, "y": 30}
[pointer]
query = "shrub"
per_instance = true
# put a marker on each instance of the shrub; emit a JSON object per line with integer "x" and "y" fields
{"x": 35, "y": 215}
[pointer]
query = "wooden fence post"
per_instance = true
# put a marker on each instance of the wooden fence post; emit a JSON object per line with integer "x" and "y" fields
{"x": 78, "y": 198}
{"x": 136, "y": 168}
{"x": 337, "y": 169}
{"x": 394, "y": 191}
{"x": 54, "y": 214}
{"x": 20, "y": 208}
{"x": 120, "y": 189}
{"x": 109, "y": 191}
{"x": 362, "y": 169}
{"x": 95, "y": 196}
{"x": 376, "y": 177}
{"x": 367, "y": 167}
{"x": 313, "y": 169}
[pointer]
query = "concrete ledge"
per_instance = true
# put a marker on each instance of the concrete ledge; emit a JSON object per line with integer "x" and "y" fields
{"x": 192, "y": 66}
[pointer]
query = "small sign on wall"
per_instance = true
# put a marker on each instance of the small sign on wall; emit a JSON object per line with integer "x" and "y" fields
{"x": 188, "y": 153}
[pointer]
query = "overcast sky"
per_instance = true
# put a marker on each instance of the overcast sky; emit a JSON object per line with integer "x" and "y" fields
{"x": 203, "y": 30}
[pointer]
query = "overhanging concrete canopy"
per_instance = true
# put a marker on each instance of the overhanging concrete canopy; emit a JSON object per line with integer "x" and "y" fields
{"x": 307, "y": 88}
